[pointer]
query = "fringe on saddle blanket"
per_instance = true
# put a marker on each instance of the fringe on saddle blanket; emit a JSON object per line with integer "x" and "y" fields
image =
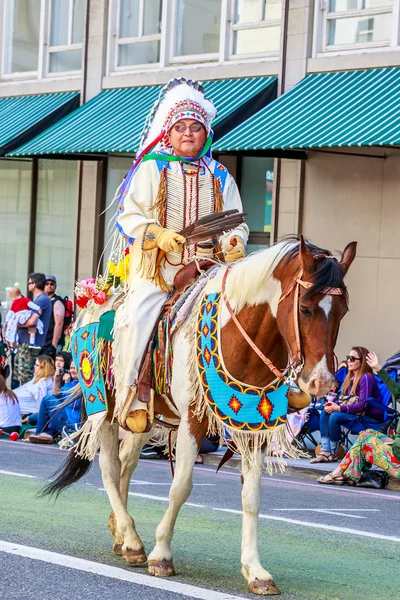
{"x": 88, "y": 438}
{"x": 276, "y": 444}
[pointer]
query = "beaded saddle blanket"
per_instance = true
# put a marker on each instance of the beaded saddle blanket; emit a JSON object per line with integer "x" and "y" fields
{"x": 239, "y": 406}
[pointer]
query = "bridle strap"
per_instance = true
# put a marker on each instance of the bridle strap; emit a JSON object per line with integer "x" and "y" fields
{"x": 295, "y": 285}
{"x": 248, "y": 339}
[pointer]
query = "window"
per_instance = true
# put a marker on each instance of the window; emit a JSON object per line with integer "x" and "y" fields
{"x": 161, "y": 33}
{"x": 256, "y": 27}
{"x": 66, "y": 35}
{"x": 357, "y": 23}
{"x": 22, "y": 36}
{"x": 197, "y": 27}
{"x": 56, "y": 222}
{"x": 15, "y": 208}
{"x": 139, "y": 32}
{"x": 257, "y": 180}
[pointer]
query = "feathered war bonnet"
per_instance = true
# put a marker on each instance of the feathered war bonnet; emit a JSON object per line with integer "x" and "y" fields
{"x": 179, "y": 99}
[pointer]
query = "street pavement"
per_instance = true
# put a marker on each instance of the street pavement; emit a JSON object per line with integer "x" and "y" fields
{"x": 319, "y": 542}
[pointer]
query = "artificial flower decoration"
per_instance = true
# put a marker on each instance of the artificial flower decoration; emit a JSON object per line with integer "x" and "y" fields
{"x": 100, "y": 289}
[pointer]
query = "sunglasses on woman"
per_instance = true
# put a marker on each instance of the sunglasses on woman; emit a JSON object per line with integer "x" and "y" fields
{"x": 352, "y": 358}
{"x": 194, "y": 127}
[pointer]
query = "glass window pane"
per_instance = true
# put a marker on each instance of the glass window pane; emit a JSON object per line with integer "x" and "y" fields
{"x": 15, "y": 200}
{"x": 272, "y": 10}
{"x": 359, "y": 30}
{"x": 56, "y": 222}
{"x": 198, "y": 27}
{"x": 377, "y": 3}
{"x": 252, "y": 41}
{"x": 128, "y": 18}
{"x": 22, "y": 33}
{"x": 68, "y": 60}
{"x": 77, "y": 21}
{"x": 118, "y": 167}
{"x": 342, "y": 5}
{"x": 59, "y": 22}
{"x": 247, "y": 11}
{"x": 256, "y": 192}
{"x": 152, "y": 17}
{"x": 141, "y": 53}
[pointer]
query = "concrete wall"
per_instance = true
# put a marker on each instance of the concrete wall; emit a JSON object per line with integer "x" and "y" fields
{"x": 350, "y": 198}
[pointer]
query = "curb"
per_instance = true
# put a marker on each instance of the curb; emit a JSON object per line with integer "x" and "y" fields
{"x": 300, "y": 472}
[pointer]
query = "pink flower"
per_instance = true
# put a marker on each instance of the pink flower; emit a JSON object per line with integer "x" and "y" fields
{"x": 87, "y": 284}
{"x": 100, "y": 298}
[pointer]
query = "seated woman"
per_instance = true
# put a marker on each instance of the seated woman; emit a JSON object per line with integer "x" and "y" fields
{"x": 359, "y": 385}
{"x": 32, "y": 393}
{"x": 51, "y": 418}
{"x": 10, "y": 413}
{"x": 371, "y": 447}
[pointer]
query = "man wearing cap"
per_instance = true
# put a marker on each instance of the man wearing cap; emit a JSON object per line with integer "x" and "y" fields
{"x": 174, "y": 182}
{"x": 55, "y": 332}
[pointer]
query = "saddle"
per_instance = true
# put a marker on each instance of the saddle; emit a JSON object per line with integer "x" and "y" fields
{"x": 183, "y": 281}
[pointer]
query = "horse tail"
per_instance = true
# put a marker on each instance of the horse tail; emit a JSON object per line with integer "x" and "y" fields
{"x": 72, "y": 470}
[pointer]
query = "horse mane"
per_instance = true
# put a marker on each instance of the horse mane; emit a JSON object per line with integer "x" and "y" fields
{"x": 248, "y": 276}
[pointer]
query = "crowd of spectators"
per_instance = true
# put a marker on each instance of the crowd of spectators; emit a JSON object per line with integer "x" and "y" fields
{"x": 44, "y": 395}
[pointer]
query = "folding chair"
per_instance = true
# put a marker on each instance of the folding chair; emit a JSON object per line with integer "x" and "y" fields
{"x": 361, "y": 422}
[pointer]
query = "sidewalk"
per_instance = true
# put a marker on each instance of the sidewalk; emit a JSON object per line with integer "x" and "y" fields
{"x": 300, "y": 468}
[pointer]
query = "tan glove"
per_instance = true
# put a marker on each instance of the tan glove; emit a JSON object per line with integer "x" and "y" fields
{"x": 234, "y": 248}
{"x": 165, "y": 239}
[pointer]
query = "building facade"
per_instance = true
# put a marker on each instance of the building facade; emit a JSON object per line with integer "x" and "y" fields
{"x": 55, "y": 210}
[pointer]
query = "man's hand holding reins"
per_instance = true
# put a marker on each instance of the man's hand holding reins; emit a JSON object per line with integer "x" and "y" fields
{"x": 234, "y": 248}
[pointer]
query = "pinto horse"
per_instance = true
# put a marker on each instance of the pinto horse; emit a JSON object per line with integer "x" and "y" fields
{"x": 285, "y": 301}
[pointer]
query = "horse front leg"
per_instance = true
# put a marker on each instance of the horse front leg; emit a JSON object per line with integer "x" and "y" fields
{"x": 129, "y": 452}
{"x": 190, "y": 435}
{"x": 259, "y": 580}
{"x": 110, "y": 465}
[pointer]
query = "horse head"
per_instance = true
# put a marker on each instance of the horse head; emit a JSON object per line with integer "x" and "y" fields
{"x": 312, "y": 304}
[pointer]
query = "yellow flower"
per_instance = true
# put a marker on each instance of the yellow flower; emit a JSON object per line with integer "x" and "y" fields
{"x": 111, "y": 267}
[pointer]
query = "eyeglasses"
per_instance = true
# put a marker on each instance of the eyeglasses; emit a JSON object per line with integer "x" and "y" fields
{"x": 30, "y": 282}
{"x": 194, "y": 127}
{"x": 352, "y": 358}
{"x": 50, "y": 283}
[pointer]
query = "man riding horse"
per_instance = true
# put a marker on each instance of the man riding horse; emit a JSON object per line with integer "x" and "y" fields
{"x": 174, "y": 182}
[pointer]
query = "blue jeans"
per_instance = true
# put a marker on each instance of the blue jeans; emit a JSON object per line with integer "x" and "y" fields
{"x": 330, "y": 427}
{"x": 50, "y": 418}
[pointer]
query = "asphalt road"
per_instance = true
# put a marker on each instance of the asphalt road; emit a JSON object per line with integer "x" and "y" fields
{"x": 319, "y": 542}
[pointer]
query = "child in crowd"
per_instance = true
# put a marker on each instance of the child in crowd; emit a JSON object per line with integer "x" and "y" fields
{"x": 10, "y": 412}
{"x": 20, "y": 312}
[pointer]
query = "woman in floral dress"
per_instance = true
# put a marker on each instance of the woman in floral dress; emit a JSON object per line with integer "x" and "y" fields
{"x": 371, "y": 447}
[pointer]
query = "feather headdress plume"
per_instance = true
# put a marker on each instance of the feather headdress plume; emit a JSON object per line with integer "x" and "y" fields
{"x": 179, "y": 99}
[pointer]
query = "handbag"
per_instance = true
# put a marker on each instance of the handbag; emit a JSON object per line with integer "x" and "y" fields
{"x": 347, "y": 400}
{"x": 375, "y": 478}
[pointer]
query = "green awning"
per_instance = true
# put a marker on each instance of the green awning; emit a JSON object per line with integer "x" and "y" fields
{"x": 24, "y": 117}
{"x": 326, "y": 110}
{"x": 113, "y": 120}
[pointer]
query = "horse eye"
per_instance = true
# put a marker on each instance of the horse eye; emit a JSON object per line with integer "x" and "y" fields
{"x": 306, "y": 311}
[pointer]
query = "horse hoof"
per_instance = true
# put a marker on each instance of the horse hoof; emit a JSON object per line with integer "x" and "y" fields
{"x": 117, "y": 549}
{"x": 161, "y": 568}
{"x": 134, "y": 557}
{"x": 263, "y": 587}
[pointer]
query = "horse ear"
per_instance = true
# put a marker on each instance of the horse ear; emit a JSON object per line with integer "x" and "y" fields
{"x": 306, "y": 258}
{"x": 349, "y": 254}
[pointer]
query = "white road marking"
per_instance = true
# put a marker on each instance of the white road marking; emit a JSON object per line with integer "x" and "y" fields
{"x": 343, "y": 489}
{"x": 274, "y": 518}
{"x": 140, "y": 482}
{"x": 336, "y": 511}
{"x": 89, "y": 566}
{"x": 318, "y": 526}
{"x": 18, "y": 474}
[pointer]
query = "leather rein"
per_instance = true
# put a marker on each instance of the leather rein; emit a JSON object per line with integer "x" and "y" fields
{"x": 297, "y": 361}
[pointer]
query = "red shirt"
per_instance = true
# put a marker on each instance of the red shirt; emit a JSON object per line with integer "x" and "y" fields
{"x": 20, "y": 304}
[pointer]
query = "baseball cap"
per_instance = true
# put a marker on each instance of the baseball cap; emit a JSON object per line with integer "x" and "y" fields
{"x": 51, "y": 278}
